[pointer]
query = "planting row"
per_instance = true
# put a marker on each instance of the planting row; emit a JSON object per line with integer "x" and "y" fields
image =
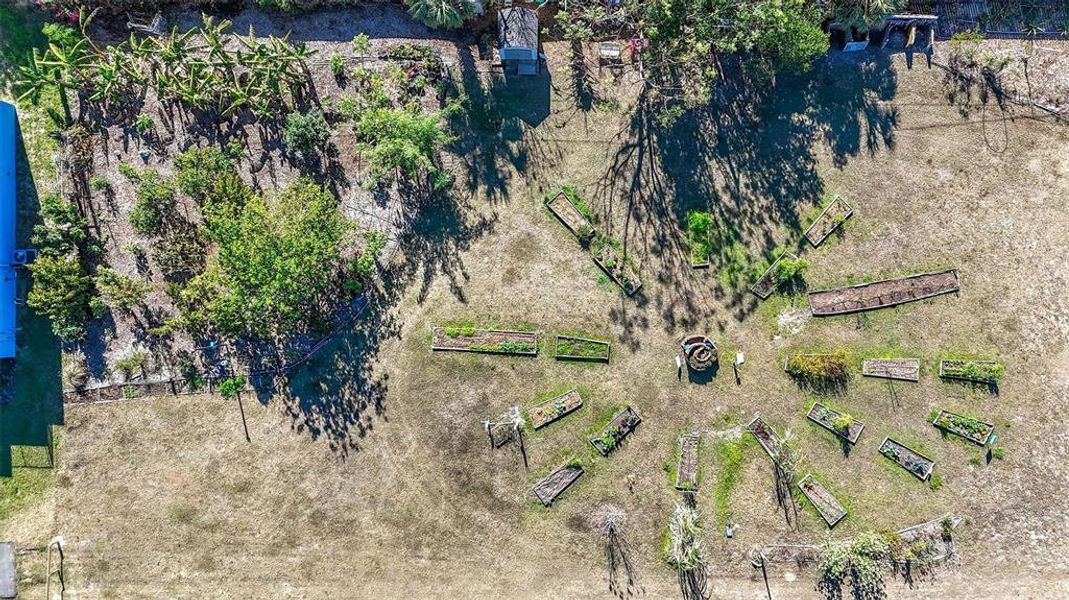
{"x": 836, "y": 366}
{"x": 519, "y": 343}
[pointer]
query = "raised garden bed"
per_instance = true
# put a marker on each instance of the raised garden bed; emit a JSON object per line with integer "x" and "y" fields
{"x": 916, "y": 463}
{"x": 569, "y": 214}
{"x": 829, "y": 508}
{"x": 616, "y": 430}
{"x": 767, "y": 283}
{"x": 687, "y": 470}
{"x": 578, "y": 348}
{"x": 766, "y": 436}
{"x": 974, "y": 430}
{"x": 545, "y": 413}
{"x": 828, "y": 418}
{"x": 882, "y": 294}
{"x": 548, "y": 488}
{"x": 614, "y": 265}
{"x": 831, "y": 218}
{"x": 979, "y": 371}
{"x": 488, "y": 341}
{"x": 901, "y": 369}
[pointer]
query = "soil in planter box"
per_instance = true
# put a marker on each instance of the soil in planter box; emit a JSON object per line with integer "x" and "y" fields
{"x": 561, "y": 206}
{"x": 830, "y": 219}
{"x": 767, "y": 283}
{"x": 981, "y": 371}
{"x": 882, "y": 294}
{"x": 579, "y": 348}
{"x": 621, "y": 272}
{"x": 555, "y": 408}
{"x": 974, "y": 430}
{"x": 767, "y": 436}
{"x": 687, "y": 472}
{"x": 826, "y": 504}
{"x": 485, "y": 340}
{"x": 548, "y": 488}
{"x": 615, "y": 431}
{"x": 825, "y": 417}
{"x": 901, "y": 369}
{"x": 920, "y": 466}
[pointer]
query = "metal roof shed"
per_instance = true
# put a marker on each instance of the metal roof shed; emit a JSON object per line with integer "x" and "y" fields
{"x": 8, "y": 143}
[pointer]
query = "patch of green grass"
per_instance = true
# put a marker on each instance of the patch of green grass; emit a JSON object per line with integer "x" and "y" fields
{"x": 582, "y": 348}
{"x": 731, "y": 457}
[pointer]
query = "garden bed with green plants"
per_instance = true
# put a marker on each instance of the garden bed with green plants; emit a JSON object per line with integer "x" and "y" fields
{"x": 916, "y": 463}
{"x": 883, "y": 294}
{"x": 901, "y": 369}
{"x": 831, "y": 218}
{"x": 974, "y": 430}
{"x": 785, "y": 268}
{"x": 687, "y": 471}
{"x": 979, "y": 371}
{"x": 839, "y": 423}
{"x": 699, "y": 225}
{"x": 608, "y": 255}
{"x": 618, "y": 428}
{"x": 572, "y": 212}
{"x": 487, "y": 341}
{"x": 549, "y": 411}
{"x": 579, "y": 348}
{"x": 553, "y": 485}
{"x": 766, "y": 436}
{"x": 827, "y": 506}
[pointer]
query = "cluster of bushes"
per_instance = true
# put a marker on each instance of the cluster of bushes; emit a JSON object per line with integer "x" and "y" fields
{"x": 62, "y": 288}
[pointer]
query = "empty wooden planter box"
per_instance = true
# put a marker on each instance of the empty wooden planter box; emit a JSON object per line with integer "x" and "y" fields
{"x": 827, "y": 506}
{"x": 900, "y": 369}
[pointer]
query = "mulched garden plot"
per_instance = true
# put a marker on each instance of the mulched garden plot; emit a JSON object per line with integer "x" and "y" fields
{"x": 687, "y": 471}
{"x": 766, "y": 436}
{"x": 617, "y": 269}
{"x": 545, "y": 413}
{"x": 489, "y": 341}
{"x": 901, "y": 369}
{"x": 831, "y": 218}
{"x": 825, "y": 417}
{"x": 882, "y": 294}
{"x": 829, "y": 508}
{"x": 974, "y": 430}
{"x": 561, "y": 206}
{"x": 916, "y": 463}
{"x": 978, "y": 371}
{"x": 548, "y": 488}
{"x": 616, "y": 430}
{"x": 577, "y": 348}
{"x": 766, "y": 284}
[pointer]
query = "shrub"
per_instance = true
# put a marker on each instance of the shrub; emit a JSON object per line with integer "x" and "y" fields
{"x": 842, "y": 422}
{"x": 789, "y": 269}
{"x": 232, "y": 386}
{"x": 120, "y": 291}
{"x": 61, "y": 291}
{"x": 62, "y": 230}
{"x": 819, "y": 366}
{"x": 402, "y": 142}
{"x": 361, "y": 44}
{"x": 154, "y": 201}
{"x": 100, "y": 183}
{"x": 144, "y": 124}
{"x": 127, "y": 366}
{"x": 442, "y": 14}
{"x": 337, "y": 66}
{"x": 306, "y": 133}
{"x": 73, "y": 370}
{"x": 180, "y": 255}
{"x": 197, "y": 170}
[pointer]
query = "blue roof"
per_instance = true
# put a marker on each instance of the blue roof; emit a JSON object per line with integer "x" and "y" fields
{"x": 9, "y": 130}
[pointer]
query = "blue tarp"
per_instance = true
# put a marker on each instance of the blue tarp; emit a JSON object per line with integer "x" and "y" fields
{"x": 8, "y": 142}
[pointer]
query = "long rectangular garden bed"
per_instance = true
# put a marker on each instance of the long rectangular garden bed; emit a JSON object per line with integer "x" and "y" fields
{"x": 579, "y": 348}
{"x": 902, "y": 369}
{"x": 882, "y": 294}
{"x": 974, "y": 430}
{"x": 567, "y": 213}
{"x": 979, "y": 371}
{"x": 829, "y": 508}
{"x": 489, "y": 341}
{"x": 828, "y": 418}
{"x": 687, "y": 471}
{"x": 916, "y": 463}
{"x": 766, "y": 436}
{"x": 766, "y": 283}
{"x": 617, "y": 268}
{"x": 548, "y": 488}
{"x": 545, "y": 413}
{"x": 610, "y": 436}
{"x": 831, "y": 218}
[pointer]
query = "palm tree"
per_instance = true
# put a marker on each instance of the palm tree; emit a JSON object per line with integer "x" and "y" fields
{"x": 860, "y": 14}
{"x": 444, "y": 14}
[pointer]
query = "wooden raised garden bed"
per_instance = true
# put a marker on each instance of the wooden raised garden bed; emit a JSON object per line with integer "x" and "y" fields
{"x": 916, "y": 463}
{"x": 567, "y": 213}
{"x": 687, "y": 470}
{"x": 766, "y": 436}
{"x": 617, "y": 268}
{"x": 901, "y": 369}
{"x": 829, "y": 508}
{"x": 578, "y": 348}
{"x": 766, "y": 284}
{"x": 488, "y": 341}
{"x": 974, "y": 430}
{"x": 882, "y": 294}
{"x": 616, "y": 430}
{"x": 979, "y": 371}
{"x": 545, "y": 413}
{"x": 826, "y": 417}
{"x": 548, "y": 488}
{"x": 831, "y": 218}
